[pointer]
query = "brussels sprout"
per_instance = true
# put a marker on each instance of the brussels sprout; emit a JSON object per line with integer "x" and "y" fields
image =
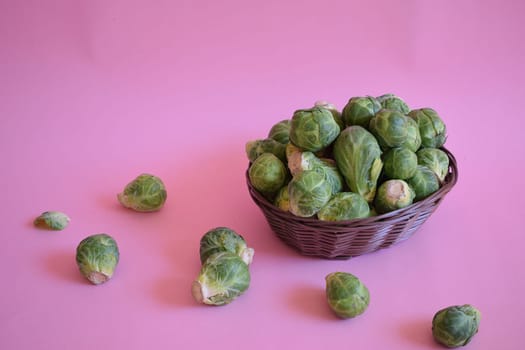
{"x": 347, "y": 296}
{"x": 335, "y": 113}
{"x": 344, "y": 206}
{"x": 413, "y": 140}
{"x": 282, "y": 199}
{"x": 223, "y": 277}
{"x": 392, "y": 195}
{"x": 313, "y": 129}
{"x": 454, "y": 326}
{"x": 391, "y": 101}
{"x": 267, "y": 174}
{"x": 53, "y": 220}
{"x": 435, "y": 159}
{"x": 280, "y": 132}
{"x": 222, "y": 239}
{"x": 300, "y": 161}
{"x": 432, "y": 129}
{"x": 145, "y": 193}
{"x": 424, "y": 182}
{"x": 391, "y": 128}
{"x": 308, "y": 192}
{"x": 399, "y": 163}
{"x": 358, "y": 157}
{"x": 255, "y": 148}
{"x": 359, "y": 111}
{"x": 291, "y": 151}
{"x": 97, "y": 257}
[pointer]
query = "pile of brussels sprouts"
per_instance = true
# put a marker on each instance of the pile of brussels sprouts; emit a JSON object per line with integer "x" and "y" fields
{"x": 374, "y": 157}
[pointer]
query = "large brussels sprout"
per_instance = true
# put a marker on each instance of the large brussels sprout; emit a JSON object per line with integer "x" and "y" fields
{"x": 359, "y": 111}
{"x": 335, "y": 113}
{"x": 344, "y": 206}
{"x": 347, "y": 296}
{"x": 255, "y": 148}
{"x": 432, "y": 129}
{"x": 391, "y": 128}
{"x": 282, "y": 199}
{"x": 313, "y": 129}
{"x": 223, "y": 277}
{"x": 221, "y": 239}
{"x": 391, "y": 101}
{"x": 267, "y": 174}
{"x": 308, "y": 192}
{"x": 97, "y": 257}
{"x": 424, "y": 182}
{"x": 280, "y": 132}
{"x": 53, "y": 220}
{"x": 399, "y": 163}
{"x": 358, "y": 157}
{"x": 392, "y": 195}
{"x": 454, "y": 326}
{"x": 435, "y": 159}
{"x": 300, "y": 161}
{"x": 145, "y": 193}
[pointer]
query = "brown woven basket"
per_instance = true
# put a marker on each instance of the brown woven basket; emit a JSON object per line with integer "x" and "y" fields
{"x": 346, "y": 239}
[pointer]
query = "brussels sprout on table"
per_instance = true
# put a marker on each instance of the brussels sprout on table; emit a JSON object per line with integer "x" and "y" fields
{"x": 424, "y": 182}
{"x": 347, "y": 296}
{"x": 432, "y": 129}
{"x": 399, "y": 163}
{"x": 436, "y": 160}
{"x": 313, "y": 129}
{"x": 359, "y": 111}
{"x": 267, "y": 174}
{"x": 280, "y": 132}
{"x": 97, "y": 257}
{"x": 255, "y": 148}
{"x": 344, "y": 206}
{"x": 308, "y": 192}
{"x": 454, "y": 326}
{"x": 222, "y": 239}
{"x": 52, "y": 220}
{"x": 392, "y": 195}
{"x": 146, "y": 193}
{"x": 224, "y": 276}
{"x": 393, "y": 129}
{"x": 393, "y": 102}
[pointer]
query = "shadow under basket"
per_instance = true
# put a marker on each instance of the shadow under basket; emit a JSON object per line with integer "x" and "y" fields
{"x": 346, "y": 239}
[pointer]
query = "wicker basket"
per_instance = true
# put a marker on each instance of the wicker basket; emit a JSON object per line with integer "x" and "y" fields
{"x": 346, "y": 239}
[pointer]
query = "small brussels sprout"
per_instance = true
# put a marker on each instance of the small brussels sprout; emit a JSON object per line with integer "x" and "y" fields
{"x": 432, "y": 129}
{"x": 392, "y": 195}
{"x": 267, "y": 174}
{"x": 399, "y": 163}
{"x": 97, "y": 257}
{"x": 255, "y": 148}
{"x": 454, "y": 326}
{"x": 358, "y": 157}
{"x": 359, "y": 111}
{"x": 424, "y": 182}
{"x": 313, "y": 129}
{"x": 145, "y": 193}
{"x": 52, "y": 220}
{"x": 347, "y": 296}
{"x": 301, "y": 161}
{"x": 344, "y": 206}
{"x": 282, "y": 199}
{"x": 391, "y": 128}
{"x": 335, "y": 113}
{"x": 223, "y": 277}
{"x": 391, "y": 101}
{"x": 222, "y": 239}
{"x": 308, "y": 192}
{"x": 280, "y": 132}
{"x": 435, "y": 159}
{"x": 413, "y": 140}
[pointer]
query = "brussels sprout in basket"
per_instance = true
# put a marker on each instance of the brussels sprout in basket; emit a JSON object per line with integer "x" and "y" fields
{"x": 308, "y": 192}
{"x": 344, "y": 206}
{"x": 313, "y": 129}
{"x": 454, "y": 326}
{"x": 392, "y": 195}
{"x": 268, "y": 174}
{"x": 359, "y": 111}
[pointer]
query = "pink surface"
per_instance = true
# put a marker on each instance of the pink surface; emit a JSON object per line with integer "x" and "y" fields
{"x": 92, "y": 93}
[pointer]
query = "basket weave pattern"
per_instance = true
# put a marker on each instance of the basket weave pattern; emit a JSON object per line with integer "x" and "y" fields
{"x": 346, "y": 239}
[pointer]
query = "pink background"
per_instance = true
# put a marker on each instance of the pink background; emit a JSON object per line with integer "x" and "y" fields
{"x": 92, "y": 93}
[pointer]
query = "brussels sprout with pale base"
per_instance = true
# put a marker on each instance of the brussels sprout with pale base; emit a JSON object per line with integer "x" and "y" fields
{"x": 392, "y": 195}
{"x": 97, "y": 257}
{"x": 145, "y": 193}
{"x": 52, "y": 220}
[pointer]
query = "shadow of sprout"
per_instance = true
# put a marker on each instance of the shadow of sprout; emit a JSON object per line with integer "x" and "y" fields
{"x": 62, "y": 265}
{"x": 419, "y": 332}
{"x": 311, "y": 301}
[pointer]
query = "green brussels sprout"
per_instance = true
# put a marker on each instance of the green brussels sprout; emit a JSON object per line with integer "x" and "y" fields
{"x": 280, "y": 132}
{"x": 335, "y": 113}
{"x": 358, "y": 157}
{"x": 145, "y": 193}
{"x": 392, "y": 128}
{"x": 392, "y": 195}
{"x": 454, "y": 326}
{"x": 223, "y": 277}
{"x": 222, "y": 239}
{"x": 347, "y": 296}
{"x": 53, "y": 220}
{"x": 267, "y": 174}
{"x": 97, "y": 257}
{"x": 255, "y": 148}
{"x": 391, "y": 101}
{"x": 308, "y": 192}
{"x": 432, "y": 129}
{"x": 300, "y": 161}
{"x": 344, "y": 206}
{"x": 424, "y": 182}
{"x": 399, "y": 163}
{"x": 359, "y": 111}
{"x": 435, "y": 159}
{"x": 313, "y": 129}
{"x": 413, "y": 140}
{"x": 282, "y": 199}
